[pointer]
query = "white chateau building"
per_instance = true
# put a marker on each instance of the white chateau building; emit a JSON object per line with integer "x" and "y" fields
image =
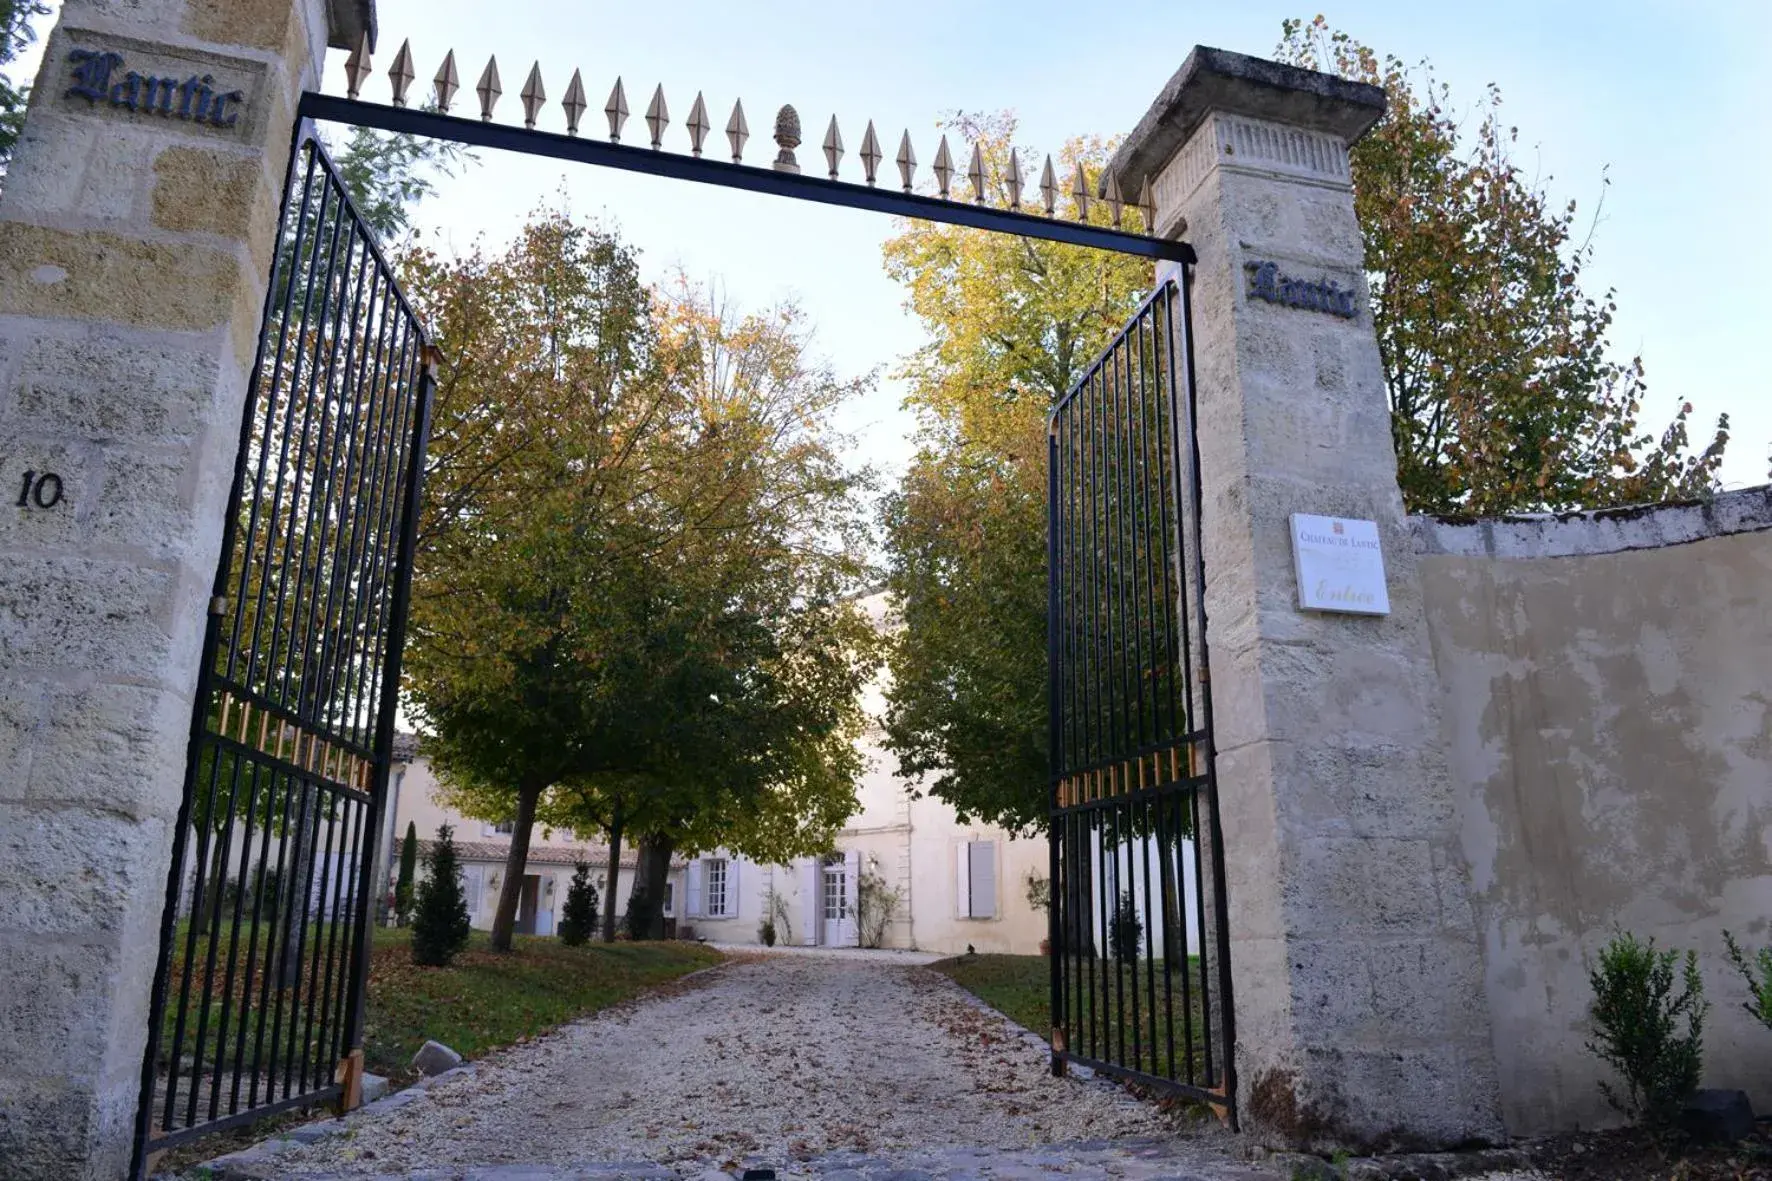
{"x": 956, "y": 886}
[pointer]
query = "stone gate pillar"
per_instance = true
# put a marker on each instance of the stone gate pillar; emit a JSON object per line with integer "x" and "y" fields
{"x": 1360, "y": 1013}
{"x": 136, "y": 230}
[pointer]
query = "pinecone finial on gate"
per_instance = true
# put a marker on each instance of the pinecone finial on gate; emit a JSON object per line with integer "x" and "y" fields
{"x": 787, "y": 138}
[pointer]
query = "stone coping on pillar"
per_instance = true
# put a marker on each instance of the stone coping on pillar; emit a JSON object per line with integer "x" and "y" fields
{"x": 348, "y": 20}
{"x": 1601, "y": 531}
{"x": 1237, "y": 84}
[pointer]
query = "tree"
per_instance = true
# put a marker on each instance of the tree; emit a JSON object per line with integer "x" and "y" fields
{"x": 387, "y": 175}
{"x": 1012, "y": 324}
{"x": 1505, "y": 394}
{"x": 546, "y": 408}
{"x": 16, "y": 35}
{"x": 408, "y": 866}
{"x": 579, "y": 916}
{"x": 628, "y": 610}
{"x": 747, "y": 608}
{"x": 440, "y": 922}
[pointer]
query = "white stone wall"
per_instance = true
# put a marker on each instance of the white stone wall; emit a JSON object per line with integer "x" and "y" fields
{"x": 1607, "y": 689}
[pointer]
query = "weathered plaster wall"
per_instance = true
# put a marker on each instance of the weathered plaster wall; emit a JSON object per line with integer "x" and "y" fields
{"x": 1606, "y": 680}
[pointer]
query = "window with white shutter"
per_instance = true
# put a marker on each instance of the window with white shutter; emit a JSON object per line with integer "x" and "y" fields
{"x": 719, "y": 897}
{"x": 975, "y": 880}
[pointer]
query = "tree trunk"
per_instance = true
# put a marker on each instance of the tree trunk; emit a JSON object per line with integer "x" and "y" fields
{"x": 646, "y": 901}
{"x": 614, "y": 878}
{"x": 297, "y": 889}
{"x": 511, "y": 895}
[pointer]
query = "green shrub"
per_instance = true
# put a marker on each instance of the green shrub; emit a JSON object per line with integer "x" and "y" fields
{"x": 1126, "y": 933}
{"x": 578, "y": 919}
{"x": 440, "y": 915}
{"x": 1653, "y": 1037}
{"x": 766, "y": 932}
{"x": 1757, "y": 971}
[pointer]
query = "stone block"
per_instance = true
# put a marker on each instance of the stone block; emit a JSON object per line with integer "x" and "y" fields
{"x": 111, "y": 278}
{"x": 111, "y": 747}
{"x": 105, "y": 618}
{"x": 434, "y": 1058}
{"x": 1717, "y": 1117}
{"x": 1342, "y": 995}
{"x": 69, "y": 871}
{"x": 210, "y": 191}
{"x": 97, "y": 181}
{"x": 255, "y": 24}
{"x": 75, "y": 468}
{"x": 54, "y": 1002}
{"x": 144, "y": 504}
{"x": 47, "y": 1132}
{"x": 1361, "y": 885}
{"x": 375, "y": 1087}
{"x": 107, "y": 385}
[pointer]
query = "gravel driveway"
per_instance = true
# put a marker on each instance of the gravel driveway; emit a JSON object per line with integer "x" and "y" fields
{"x": 768, "y": 1059}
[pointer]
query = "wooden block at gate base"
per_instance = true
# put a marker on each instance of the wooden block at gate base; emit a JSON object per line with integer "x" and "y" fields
{"x": 350, "y": 1076}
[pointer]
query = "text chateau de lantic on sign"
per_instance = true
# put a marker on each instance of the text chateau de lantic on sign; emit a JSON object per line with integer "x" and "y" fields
{"x": 1340, "y": 566}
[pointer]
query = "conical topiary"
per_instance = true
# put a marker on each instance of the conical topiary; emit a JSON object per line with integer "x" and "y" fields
{"x": 408, "y": 871}
{"x": 440, "y": 918}
{"x": 579, "y": 918}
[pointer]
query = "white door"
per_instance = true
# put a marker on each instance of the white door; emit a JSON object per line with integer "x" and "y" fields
{"x": 837, "y": 898}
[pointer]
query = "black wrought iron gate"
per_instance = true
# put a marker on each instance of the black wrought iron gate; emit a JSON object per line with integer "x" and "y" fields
{"x": 257, "y": 1002}
{"x": 1140, "y": 967}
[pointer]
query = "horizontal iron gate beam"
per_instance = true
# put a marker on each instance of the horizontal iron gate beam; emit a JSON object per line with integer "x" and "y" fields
{"x": 756, "y": 179}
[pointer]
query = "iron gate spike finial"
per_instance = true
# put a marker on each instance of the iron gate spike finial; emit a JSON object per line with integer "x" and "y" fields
{"x": 787, "y": 138}
{"x": 357, "y": 67}
{"x": 617, "y": 110}
{"x": 1080, "y": 193}
{"x": 833, "y": 146}
{"x": 943, "y": 167}
{"x": 488, "y": 88}
{"x": 907, "y": 161}
{"x": 1049, "y": 189}
{"x": 698, "y": 124}
{"x": 401, "y": 72}
{"x": 737, "y": 131}
{"x": 658, "y": 116}
{"x": 975, "y": 173}
{"x": 534, "y": 95}
{"x": 870, "y": 153}
{"x": 1110, "y": 191}
{"x": 1147, "y": 206}
{"x": 1014, "y": 180}
{"x": 574, "y": 102}
{"x": 447, "y": 82}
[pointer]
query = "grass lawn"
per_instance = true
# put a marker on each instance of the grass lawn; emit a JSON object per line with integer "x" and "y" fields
{"x": 1017, "y": 986}
{"x": 1020, "y": 987}
{"x": 485, "y": 1000}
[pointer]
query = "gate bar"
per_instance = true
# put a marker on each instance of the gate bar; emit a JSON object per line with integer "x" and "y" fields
{"x": 807, "y": 187}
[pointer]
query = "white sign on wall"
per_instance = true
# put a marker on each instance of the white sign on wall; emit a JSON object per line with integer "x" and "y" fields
{"x": 1340, "y": 566}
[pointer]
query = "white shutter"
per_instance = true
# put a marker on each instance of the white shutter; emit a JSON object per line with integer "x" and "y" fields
{"x": 692, "y": 888}
{"x": 851, "y": 924}
{"x": 982, "y": 856}
{"x": 732, "y": 888}
{"x": 811, "y": 899}
{"x": 963, "y": 880}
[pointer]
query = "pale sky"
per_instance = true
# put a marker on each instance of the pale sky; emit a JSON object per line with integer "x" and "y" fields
{"x": 1669, "y": 96}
